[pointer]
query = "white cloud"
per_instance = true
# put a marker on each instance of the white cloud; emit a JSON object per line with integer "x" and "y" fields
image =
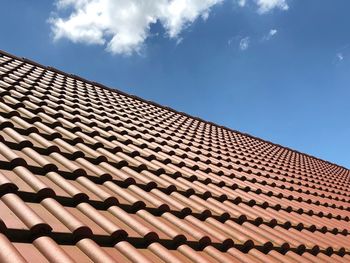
{"x": 244, "y": 43}
{"x": 230, "y": 41}
{"x": 265, "y": 6}
{"x": 272, "y": 32}
{"x": 124, "y": 25}
{"x": 270, "y": 35}
{"x": 340, "y": 56}
{"x": 179, "y": 41}
{"x": 242, "y": 2}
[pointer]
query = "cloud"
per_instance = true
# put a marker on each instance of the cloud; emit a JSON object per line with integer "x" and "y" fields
{"x": 272, "y": 32}
{"x": 124, "y": 25}
{"x": 230, "y": 41}
{"x": 265, "y": 6}
{"x": 270, "y": 35}
{"x": 340, "y": 56}
{"x": 244, "y": 43}
{"x": 242, "y": 2}
{"x": 179, "y": 41}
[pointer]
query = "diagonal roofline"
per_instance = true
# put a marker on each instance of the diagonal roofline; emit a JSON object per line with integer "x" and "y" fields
{"x": 26, "y": 60}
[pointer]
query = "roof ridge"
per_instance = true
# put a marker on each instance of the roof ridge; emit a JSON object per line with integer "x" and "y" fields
{"x": 94, "y": 83}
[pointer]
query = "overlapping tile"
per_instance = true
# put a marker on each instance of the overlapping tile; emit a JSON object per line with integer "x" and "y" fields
{"x": 90, "y": 174}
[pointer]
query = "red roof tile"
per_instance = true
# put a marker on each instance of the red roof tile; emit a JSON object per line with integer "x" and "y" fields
{"x": 91, "y": 174}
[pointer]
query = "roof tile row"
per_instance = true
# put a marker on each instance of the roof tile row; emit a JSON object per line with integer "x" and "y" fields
{"x": 90, "y": 174}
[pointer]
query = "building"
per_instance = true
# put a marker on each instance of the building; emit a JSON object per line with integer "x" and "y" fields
{"x": 90, "y": 174}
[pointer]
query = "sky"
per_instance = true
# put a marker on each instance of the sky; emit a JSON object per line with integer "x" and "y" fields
{"x": 276, "y": 69}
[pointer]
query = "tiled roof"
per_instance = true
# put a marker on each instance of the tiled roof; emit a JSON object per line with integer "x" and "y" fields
{"x": 90, "y": 174}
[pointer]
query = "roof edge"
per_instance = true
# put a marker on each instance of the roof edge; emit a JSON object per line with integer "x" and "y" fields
{"x": 24, "y": 59}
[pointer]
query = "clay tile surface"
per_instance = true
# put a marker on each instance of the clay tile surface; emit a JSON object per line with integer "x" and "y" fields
{"x": 91, "y": 174}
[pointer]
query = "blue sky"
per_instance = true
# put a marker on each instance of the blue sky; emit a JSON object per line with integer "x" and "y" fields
{"x": 275, "y": 69}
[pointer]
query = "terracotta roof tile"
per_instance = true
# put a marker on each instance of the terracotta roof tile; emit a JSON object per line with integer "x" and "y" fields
{"x": 91, "y": 174}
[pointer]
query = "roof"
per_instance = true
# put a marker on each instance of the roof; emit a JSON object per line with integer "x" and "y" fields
{"x": 91, "y": 174}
